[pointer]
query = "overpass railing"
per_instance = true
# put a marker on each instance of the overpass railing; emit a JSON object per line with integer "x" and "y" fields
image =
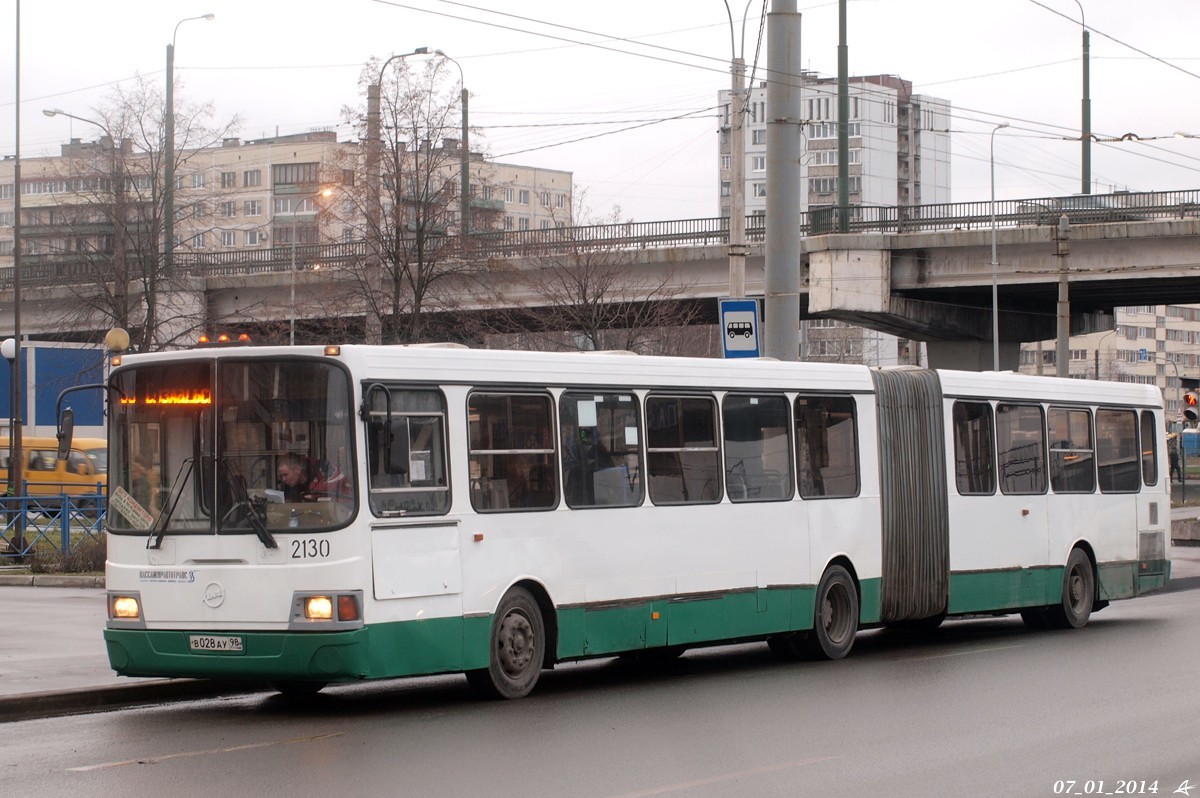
{"x": 1080, "y": 209}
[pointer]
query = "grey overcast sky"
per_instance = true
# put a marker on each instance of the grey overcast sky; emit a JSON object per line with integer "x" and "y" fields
{"x": 553, "y": 84}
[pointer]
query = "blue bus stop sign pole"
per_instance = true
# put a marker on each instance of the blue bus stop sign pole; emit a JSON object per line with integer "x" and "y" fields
{"x": 740, "y": 327}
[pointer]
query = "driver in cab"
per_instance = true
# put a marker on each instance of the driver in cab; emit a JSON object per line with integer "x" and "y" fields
{"x": 294, "y": 478}
{"x": 301, "y": 481}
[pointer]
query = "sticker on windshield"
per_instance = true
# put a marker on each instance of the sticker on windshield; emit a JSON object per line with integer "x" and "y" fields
{"x": 123, "y": 502}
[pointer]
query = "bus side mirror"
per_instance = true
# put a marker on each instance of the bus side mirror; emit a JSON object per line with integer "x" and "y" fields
{"x": 66, "y": 428}
{"x": 390, "y": 444}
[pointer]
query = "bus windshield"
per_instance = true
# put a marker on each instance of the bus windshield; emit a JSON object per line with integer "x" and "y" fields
{"x": 230, "y": 446}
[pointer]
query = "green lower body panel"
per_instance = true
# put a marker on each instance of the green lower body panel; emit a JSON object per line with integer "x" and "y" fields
{"x": 442, "y": 645}
{"x": 377, "y": 651}
{"x": 989, "y": 591}
{"x": 1014, "y": 588}
{"x": 588, "y": 631}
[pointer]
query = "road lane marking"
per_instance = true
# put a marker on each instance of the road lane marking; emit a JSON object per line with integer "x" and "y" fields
{"x": 154, "y": 760}
{"x": 722, "y": 777}
{"x": 967, "y": 653}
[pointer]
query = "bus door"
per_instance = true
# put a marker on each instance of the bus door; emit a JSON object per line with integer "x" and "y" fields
{"x": 998, "y": 506}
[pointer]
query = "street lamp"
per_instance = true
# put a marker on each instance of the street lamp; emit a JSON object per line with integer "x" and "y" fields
{"x": 465, "y": 211}
{"x": 737, "y": 158}
{"x": 169, "y": 152}
{"x": 995, "y": 289}
{"x": 373, "y": 322}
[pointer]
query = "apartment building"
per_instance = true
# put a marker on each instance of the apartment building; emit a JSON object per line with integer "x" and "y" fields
{"x": 899, "y": 151}
{"x": 1150, "y": 345}
{"x": 245, "y": 195}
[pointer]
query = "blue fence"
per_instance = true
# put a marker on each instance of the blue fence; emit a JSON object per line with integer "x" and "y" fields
{"x": 44, "y": 525}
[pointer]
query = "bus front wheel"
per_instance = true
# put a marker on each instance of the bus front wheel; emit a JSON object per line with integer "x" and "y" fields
{"x": 518, "y": 646}
{"x": 835, "y": 619}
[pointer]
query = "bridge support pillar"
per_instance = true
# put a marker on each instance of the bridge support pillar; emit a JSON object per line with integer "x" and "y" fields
{"x": 972, "y": 355}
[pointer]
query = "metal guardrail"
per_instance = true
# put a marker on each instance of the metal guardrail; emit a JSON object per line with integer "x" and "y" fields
{"x": 45, "y": 524}
{"x": 631, "y": 236}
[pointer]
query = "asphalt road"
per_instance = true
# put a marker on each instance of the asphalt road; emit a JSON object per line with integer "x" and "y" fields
{"x": 979, "y": 708}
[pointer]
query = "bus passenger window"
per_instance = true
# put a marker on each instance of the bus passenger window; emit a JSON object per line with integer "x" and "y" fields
{"x": 826, "y": 446}
{"x": 1021, "y": 449}
{"x": 1072, "y": 468}
{"x": 682, "y": 452}
{"x": 758, "y": 448}
{"x": 406, "y": 452}
{"x": 1149, "y": 449}
{"x": 601, "y": 440}
{"x": 511, "y": 452}
{"x": 974, "y": 469}
{"x": 1117, "y": 458}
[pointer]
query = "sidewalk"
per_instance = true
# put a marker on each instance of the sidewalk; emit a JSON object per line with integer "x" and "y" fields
{"x": 53, "y": 661}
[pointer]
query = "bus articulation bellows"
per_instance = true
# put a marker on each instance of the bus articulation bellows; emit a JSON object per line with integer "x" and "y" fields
{"x": 306, "y": 515}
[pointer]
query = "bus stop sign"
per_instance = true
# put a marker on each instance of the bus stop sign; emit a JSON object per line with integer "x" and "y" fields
{"x": 739, "y": 327}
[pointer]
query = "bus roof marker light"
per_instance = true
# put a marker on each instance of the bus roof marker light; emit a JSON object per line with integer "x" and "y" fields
{"x": 333, "y": 351}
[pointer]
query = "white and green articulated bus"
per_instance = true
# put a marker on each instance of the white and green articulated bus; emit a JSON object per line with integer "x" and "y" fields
{"x": 305, "y": 515}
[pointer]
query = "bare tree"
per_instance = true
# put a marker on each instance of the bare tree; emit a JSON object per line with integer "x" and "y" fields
{"x": 587, "y": 298}
{"x": 110, "y": 212}
{"x": 406, "y": 211}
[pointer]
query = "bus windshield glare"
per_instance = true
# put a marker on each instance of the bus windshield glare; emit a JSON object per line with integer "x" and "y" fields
{"x": 235, "y": 446}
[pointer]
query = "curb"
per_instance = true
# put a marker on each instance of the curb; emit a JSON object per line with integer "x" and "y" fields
{"x": 51, "y": 580}
{"x": 29, "y": 706}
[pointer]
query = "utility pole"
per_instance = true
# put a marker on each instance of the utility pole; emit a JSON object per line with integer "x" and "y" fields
{"x": 1062, "y": 251}
{"x": 737, "y": 179}
{"x": 843, "y": 102}
{"x": 782, "y": 303}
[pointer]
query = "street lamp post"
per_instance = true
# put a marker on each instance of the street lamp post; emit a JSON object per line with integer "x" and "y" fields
{"x": 373, "y": 323}
{"x": 118, "y": 212}
{"x": 169, "y": 152}
{"x": 465, "y": 178}
{"x": 12, "y": 346}
{"x": 11, "y": 350}
{"x": 995, "y": 265}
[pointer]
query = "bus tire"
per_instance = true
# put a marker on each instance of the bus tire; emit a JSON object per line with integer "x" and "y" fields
{"x": 835, "y": 616}
{"x": 1078, "y": 594}
{"x": 518, "y": 647}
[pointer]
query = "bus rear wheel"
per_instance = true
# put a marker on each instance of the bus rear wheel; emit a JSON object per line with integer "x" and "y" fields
{"x": 835, "y": 619}
{"x": 518, "y": 647}
{"x": 1078, "y": 596}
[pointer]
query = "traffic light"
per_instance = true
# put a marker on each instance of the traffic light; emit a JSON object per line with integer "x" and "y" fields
{"x": 1191, "y": 406}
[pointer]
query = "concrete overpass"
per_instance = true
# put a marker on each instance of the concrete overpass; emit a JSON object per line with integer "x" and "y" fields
{"x": 923, "y": 273}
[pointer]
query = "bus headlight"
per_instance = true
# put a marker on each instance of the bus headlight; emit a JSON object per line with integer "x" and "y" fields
{"x": 324, "y": 612}
{"x": 318, "y": 608}
{"x": 125, "y": 608}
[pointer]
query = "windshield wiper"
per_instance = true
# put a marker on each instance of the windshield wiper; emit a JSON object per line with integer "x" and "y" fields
{"x": 159, "y": 530}
{"x": 242, "y": 501}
